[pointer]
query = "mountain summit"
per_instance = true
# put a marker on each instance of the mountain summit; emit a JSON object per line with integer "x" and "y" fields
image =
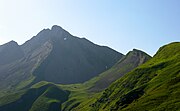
{"x": 42, "y": 74}
{"x": 10, "y": 52}
{"x": 73, "y": 59}
{"x": 54, "y": 55}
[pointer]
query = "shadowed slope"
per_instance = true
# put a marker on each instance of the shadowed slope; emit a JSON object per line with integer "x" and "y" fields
{"x": 46, "y": 98}
{"x": 153, "y": 86}
{"x": 81, "y": 92}
{"x": 74, "y": 60}
{"x": 10, "y": 52}
{"x": 53, "y": 55}
{"x": 130, "y": 61}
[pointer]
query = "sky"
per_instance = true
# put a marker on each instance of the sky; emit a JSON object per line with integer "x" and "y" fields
{"x": 120, "y": 24}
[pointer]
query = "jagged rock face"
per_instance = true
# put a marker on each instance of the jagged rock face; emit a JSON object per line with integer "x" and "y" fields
{"x": 130, "y": 61}
{"x": 74, "y": 60}
{"x": 10, "y": 52}
{"x": 42, "y": 37}
{"x": 136, "y": 57}
{"x": 54, "y": 55}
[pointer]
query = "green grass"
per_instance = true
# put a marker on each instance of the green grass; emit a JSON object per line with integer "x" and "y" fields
{"x": 51, "y": 99}
{"x": 46, "y": 98}
{"x": 152, "y": 86}
{"x": 84, "y": 93}
{"x": 24, "y": 83}
{"x": 10, "y": 98}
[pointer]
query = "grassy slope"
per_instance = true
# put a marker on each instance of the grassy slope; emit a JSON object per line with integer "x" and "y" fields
{"x": 50, "y": 100}
{"x": 126, "y": 64}
{"x": 41, "y": 97}
{"x": 152, "y": 86}
{"x": 79, "y": 93}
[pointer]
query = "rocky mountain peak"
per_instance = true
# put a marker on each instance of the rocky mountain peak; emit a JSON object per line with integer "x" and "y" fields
{"x": 11, "y": 43}
{"x": 56, "y": 28}
{"x": 10, "y": 52}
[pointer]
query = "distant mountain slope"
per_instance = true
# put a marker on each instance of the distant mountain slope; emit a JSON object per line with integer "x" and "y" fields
{"x": 74, "y": 60}
{"x": 134, "y": 82}
{"x": 18, "y": 72}
{"x": 77, "y": 92}
{"x": 130, "y": 61}
{"x": 153, "y": 86}
{"x": 52, "y": 55}
{"x": 10, "y": 52}
{"x": 80, "y": 92}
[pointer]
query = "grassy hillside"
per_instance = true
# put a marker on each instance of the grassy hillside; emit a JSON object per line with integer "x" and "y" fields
{"x": 52, "y": 55}
{"x": 130, "y": 61}
{"x": 154, "y": 86}
{"x": 81, "y": 93}
{"x": 78, "y": 93}
{"x": 44, "y": 97}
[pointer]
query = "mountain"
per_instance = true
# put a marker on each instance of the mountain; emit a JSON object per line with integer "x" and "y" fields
{"x": 71, "y": 59}
{"x": 75, "y": 93}
{"x": 56, "y": 71}
{"x": 153, "y": 86}
{"x": 10, "y": 52}
{"x": 80, "y": 94}
{"x": 53, "y": 55}
{"x": 130, "y": 61}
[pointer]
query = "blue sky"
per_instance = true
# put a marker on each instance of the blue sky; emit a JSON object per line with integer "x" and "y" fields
{"x": 119, "y": 24}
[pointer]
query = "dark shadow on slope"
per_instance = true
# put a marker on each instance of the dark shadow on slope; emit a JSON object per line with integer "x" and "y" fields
{"x": 58, "y": 94}
{"x": 26, "y": 101}
{"x": 75, "y": 61}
